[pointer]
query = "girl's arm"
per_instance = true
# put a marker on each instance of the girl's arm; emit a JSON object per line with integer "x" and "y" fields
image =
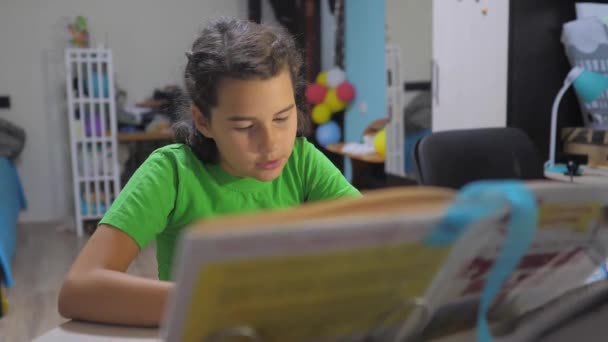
{"x": 97, "y": 287}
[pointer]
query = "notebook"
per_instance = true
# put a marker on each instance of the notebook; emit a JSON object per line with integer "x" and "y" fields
{"x": 368, "y": 269}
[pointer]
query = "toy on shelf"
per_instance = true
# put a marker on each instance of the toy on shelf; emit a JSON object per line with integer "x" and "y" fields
{"x": 105, "y": 83}
{"x": 92, "y": 80}
{"x": 330, "y": 94}
{"x": 95, "y": 157}
{"x": 88, "y": 207}
{"x": 90, "y": 126}
{"x": 79, "y": 33}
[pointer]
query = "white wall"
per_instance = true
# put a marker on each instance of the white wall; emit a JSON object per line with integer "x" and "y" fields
{"x": 328, "y": 38}
{"x": 148, "y": 39}
{"x": 268, "y": 16}
{"x": 409, "y": 25}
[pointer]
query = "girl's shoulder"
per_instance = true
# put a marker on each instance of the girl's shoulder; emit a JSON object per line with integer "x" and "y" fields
{"x": 175, "y": 152}
{"x": 174, "y": 156}
{"x": 302, "y": 146}
{"x": 304, "y": 152}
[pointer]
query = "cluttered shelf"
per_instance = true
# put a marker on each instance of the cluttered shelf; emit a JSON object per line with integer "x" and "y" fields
{"x": 145, "y": 126}
{"x": 144, "y": 136}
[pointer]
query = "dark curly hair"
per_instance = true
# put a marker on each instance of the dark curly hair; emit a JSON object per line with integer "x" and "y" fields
{"x": 239, "y": 49}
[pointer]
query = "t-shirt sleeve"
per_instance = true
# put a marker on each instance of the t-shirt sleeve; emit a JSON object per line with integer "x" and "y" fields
{"x": 323, "y": 180}
{"x": 143, "y": 207}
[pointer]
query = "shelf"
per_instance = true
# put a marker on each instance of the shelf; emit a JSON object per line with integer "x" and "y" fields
{"x": 93, "y": 140}
{"x": 89, "y": 100}
{"x": 94, "y": 161}
{"x": 96, "y": 178}
{"x": 92, "y": 217}
{"x": 144, "y": 136}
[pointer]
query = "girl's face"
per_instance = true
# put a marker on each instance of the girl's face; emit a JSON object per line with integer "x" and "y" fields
{"x": 254, "y": 125}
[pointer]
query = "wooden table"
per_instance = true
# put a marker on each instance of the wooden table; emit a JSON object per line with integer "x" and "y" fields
{"x": 367, "y": 158}
{"x": 368, "y": 169}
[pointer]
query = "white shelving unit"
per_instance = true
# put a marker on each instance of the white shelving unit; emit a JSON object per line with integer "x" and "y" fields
{"x": 395, "y": 128}
{"x": 93, "y": 132}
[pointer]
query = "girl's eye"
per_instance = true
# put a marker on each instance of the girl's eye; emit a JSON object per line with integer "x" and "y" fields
{"x": 281, "y": 119}
{"x": 244, "y": 128}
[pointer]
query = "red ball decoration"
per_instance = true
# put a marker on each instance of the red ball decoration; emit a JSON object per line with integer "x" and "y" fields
{"x": 315, "y": 93}
{"x": 345, "y": 91}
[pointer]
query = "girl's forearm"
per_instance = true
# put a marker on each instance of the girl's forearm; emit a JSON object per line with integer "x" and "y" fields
{"x": 114, "y": 297}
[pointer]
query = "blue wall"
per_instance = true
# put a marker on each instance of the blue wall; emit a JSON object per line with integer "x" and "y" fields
{"x": 365, "y": 66}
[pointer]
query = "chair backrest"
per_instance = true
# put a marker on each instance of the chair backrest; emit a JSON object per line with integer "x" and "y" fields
{"x": 455, "y": 158}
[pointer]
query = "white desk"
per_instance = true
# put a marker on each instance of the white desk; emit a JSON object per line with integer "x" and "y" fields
{"x": 90, "y": 332}
{"x": 73, "y": 331}
{"x": 590, "y": 328}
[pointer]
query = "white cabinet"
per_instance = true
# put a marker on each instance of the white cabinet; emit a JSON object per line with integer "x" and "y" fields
{"x": 470, "y": 63}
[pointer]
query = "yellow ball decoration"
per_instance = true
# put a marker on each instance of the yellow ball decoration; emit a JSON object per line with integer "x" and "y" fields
{"x": 333, "y": 102}
{"x": 321, "y": 114}
{"x": 380, "y": 142}
{"x": 322, "y": 78}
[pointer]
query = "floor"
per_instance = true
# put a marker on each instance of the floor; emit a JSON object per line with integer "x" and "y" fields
{"x": 43, "y": 255}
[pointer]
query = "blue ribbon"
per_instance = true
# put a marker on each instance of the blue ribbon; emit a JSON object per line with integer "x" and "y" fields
{"x": 477, "y": 201}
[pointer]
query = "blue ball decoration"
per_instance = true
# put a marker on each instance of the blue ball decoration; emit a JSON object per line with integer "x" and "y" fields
{"x": 328, "y": 133}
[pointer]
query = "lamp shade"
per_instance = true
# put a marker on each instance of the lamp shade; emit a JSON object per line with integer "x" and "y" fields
{"x": 590, "y": 85}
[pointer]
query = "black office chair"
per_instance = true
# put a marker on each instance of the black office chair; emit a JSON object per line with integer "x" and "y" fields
{"x": 455, "y": 158}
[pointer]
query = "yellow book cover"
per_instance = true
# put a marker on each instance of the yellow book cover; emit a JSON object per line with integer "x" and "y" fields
{"x": 349, "y": 269}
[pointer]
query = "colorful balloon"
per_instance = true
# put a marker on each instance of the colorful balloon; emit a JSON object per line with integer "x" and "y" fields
{"x": 328, "y": 133}
{"x": 335, "y": 76}
{"x": 321, "y": 114}
{"x": 380, "y": 142}
{"x": 322, "y": 78}
{"x": 315, "y": 93}
{"x": 345, "y": 92}
{"x": 333, "y": 102}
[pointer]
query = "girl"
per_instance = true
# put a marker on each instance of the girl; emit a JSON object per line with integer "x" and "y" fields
{"x": 241, "y": 151}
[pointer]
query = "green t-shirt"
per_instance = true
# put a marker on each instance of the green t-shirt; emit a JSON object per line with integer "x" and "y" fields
{"x": 173, "y": 188}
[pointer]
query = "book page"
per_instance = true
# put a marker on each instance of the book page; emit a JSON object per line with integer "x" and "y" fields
{"x": 570, "y": 243}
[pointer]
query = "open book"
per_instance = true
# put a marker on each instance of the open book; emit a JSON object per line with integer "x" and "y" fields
{"x": 353, "y": 269}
